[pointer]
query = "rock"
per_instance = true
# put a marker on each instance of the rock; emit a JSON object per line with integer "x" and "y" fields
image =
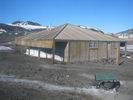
{"x": 40, "y": 69}
{"x": 67, "y": 75}
{"x": 61, "y": 83}
{"x": 57, "y": 77}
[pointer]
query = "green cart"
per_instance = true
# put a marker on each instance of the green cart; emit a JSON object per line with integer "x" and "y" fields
{"x": 106, "y": 81}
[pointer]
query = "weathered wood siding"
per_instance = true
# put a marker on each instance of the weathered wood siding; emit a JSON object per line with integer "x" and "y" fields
{"x": 102, "y": 50}
{"x": 84, "y": 51}
{"x": 74, "y": 51}
{"x": 79, "y": 51}
{"x": 93, "y": 54}
{"x": 111, "y": 50}
{"x": 66, "y": 53}
{"x": 34, "y": 43}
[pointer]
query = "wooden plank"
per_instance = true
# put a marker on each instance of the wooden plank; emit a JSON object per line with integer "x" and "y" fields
{"x": 117, "y": 55}
{"x": 73, "y": 52}
{"x": 73, "y": 46}
{"x": 77, "y": 53}
{"x": 83, "y": 51}
{"x": 79, "y": 48}
{"x": 88, "y": 50}
{"x": 33, "y": 43}
{"x": 53, "y": 52}
{"x": 107, "y": 50}
{"x": 102, "y": 50}
{"x": 28, "y": 51}
{"x": 93, "y": 55}
{"x": 113, "y": 49}
{"x": 66, "y": 53}
{"x": 125, "y": 49}
{"x": 69, "y": 51}
{"x": 38, "y": 53}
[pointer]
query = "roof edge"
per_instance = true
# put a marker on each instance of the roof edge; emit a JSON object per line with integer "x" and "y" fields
{"x": 60, "y": 31}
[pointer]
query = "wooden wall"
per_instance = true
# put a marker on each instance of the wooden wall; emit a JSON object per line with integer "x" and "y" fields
{"x": 93, "y": 54}
{"x": 102, "y": 50}
{"x": 34, "y": 43}
{"x": 84, "y": 51}
{"x": 111, "y": 50}
{"x": 74, "y": 51}
{"x": 66, "y": 53}
{"x": 80, "y": 51}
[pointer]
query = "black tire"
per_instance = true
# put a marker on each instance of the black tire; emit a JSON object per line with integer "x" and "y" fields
{"x": 101, "y": 86}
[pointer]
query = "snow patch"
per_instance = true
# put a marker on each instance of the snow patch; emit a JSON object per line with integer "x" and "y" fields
{"x": 50, "y": 67}
{"x": 87, "y": 75}
{"x": 51, "y": 87}
{"x": 4, "y": 48}
{"x": 34, "y": 52}
{"x": 100, "y": 93}
{"x": 126, "y": 83}
{"x": 129, "y": 48}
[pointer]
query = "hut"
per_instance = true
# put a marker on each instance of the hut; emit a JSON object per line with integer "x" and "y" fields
{"x": 72, "y": 43}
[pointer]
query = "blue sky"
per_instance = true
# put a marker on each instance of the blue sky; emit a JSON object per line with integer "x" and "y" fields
{"x": 108, "y": 15}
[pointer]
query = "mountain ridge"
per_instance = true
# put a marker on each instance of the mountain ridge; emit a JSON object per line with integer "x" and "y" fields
{"x": 128, "y": 31}
{"x": 29, "y": 25}
{"x": 9, "y": 28}
{"x": 21, "y": 27}
{"x": 26, "y": 23}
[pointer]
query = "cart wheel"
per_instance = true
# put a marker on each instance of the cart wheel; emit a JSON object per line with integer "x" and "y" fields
{"x": 116, "y": 88}
{"x": 117, "y": 85}
{"x": 101, "y": 86}
{"x": 109, "y": 85}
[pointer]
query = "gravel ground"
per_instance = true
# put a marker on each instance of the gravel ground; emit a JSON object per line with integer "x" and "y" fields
{"x": 27, "y": 78}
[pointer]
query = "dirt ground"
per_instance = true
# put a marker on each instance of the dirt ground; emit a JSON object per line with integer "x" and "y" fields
{"x": 28, "y": 78}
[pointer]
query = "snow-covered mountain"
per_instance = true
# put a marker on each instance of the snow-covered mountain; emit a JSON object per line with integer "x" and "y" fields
{"x": 5, "y": 28}
{"x": 28, "y": 25}
{"x": 2, "y": 31}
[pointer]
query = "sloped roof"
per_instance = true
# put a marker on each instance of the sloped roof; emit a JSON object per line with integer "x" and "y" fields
{"x": 69, "y": 32}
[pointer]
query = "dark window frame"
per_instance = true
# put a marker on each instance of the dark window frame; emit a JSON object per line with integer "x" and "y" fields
{"x": 93, "y": 44}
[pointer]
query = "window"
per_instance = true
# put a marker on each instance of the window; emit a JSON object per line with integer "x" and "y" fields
{"x": 93, "y": 44}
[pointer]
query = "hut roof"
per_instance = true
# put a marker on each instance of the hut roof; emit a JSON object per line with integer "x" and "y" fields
{"x": 69, "y": 32}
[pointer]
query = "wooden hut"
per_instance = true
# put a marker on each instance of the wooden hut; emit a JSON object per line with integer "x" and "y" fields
{"x": 72, "y": 43}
